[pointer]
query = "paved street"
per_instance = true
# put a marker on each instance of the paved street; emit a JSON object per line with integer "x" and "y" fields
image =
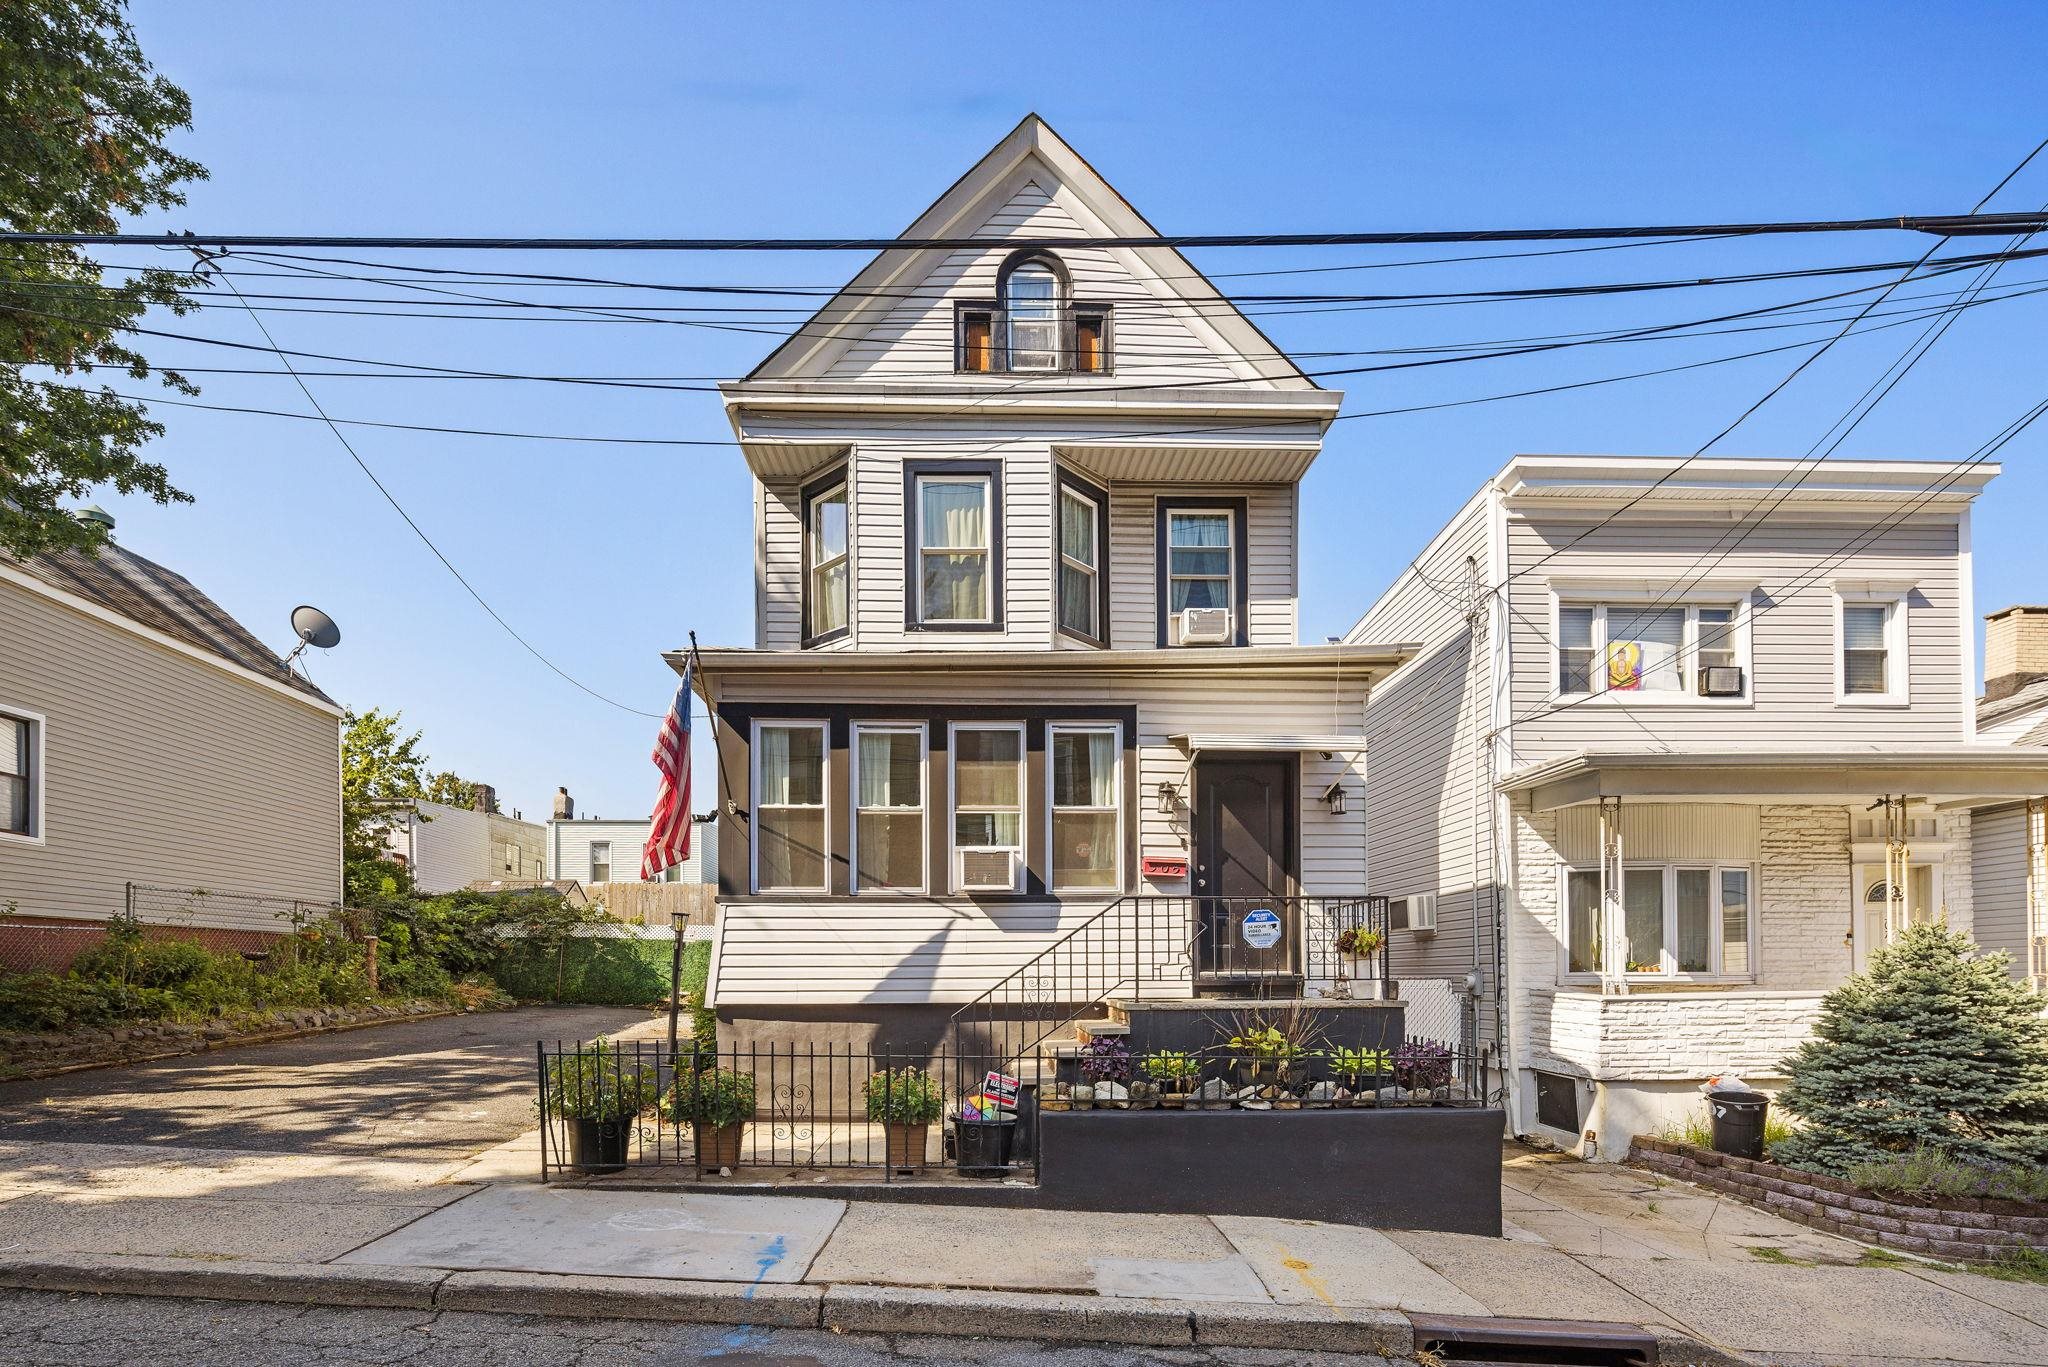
{"x": 424, "y": 1091}
{"x": 48, "y": 1329}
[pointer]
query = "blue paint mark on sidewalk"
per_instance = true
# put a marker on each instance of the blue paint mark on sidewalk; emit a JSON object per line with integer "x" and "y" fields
{"x": 747, "y": 1336}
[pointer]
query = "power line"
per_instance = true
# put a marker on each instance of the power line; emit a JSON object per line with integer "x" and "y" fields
{"x": 1941, "y": 225}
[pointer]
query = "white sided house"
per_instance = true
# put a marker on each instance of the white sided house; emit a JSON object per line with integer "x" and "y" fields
{"x": 449, "y": 847}
{"x": 1686, "y": 742}
{"x": 593, "y": 850}
{"x": 1026, "y": 671}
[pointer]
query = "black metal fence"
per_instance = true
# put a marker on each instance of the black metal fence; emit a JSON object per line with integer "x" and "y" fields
{"x": 860, "y": 1113}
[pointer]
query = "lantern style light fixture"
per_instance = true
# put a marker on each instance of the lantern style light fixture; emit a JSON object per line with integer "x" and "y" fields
{"x": 1169, "y": 796}
{"x": 1334, "y": 795}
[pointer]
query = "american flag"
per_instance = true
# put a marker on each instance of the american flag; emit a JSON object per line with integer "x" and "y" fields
{"x": 668, "y": 843}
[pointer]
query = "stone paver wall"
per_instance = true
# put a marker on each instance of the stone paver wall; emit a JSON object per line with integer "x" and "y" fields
{"x": 1968, "y": 1229}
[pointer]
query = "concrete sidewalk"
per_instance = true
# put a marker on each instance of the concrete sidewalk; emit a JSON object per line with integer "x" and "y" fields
{"x": 1586, "y": 1243}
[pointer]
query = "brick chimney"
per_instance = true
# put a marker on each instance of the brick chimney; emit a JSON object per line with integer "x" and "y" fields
{"x": 2015, "y": 650}
{"x": 484, "y": 798}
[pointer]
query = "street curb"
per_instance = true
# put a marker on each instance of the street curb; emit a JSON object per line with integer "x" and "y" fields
{"x": 777, "y": 1305}
{"x": 1009, "y": 1315}
{"x": 1304, "y": 1328}
{"x": 393, "y": 1288}
{"x": 236, "y": 1042}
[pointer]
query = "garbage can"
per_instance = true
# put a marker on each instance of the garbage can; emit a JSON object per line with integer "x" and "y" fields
{"x": 982, "y": 1147}
{"x": 1738, "y": 1122}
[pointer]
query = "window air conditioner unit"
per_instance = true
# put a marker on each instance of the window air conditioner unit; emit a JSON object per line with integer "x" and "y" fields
{"x": 1204, "y": 627}
{"x": 1417, "y": 913}
{"x": 1721, "y": 681}
{"x": 985, "y": 870}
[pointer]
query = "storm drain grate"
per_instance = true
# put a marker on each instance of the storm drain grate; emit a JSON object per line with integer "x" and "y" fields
{"x": 1557, "y": 1343}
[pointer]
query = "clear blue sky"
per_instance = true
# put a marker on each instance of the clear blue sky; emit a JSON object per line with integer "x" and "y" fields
{"x": 847, "y": 119}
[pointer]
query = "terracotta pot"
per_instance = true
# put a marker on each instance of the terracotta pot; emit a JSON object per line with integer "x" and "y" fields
{"x": 718, "y": 1146}
{"x": 906, "y": 1144}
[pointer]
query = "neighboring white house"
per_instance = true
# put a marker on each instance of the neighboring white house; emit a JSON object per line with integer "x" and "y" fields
{"x": 449, "y": 847}
{"x": 1668, "y": 769}
{"x": 2010, "y": 844}
{"x": 1026, "y": 643}
{"x": 596, "y": 850}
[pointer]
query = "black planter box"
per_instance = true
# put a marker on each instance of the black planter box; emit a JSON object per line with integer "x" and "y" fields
{"x": 1434, "y": 1167}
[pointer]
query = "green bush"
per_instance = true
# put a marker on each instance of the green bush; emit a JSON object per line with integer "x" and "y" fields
{"x": 415, "y": 976}
{"x": 905, "y": 1096}
{"x": 590, "y": 970}
{"x": 714, "y": 1096}
{"x": 599, "y": 1081}
{"x": 144, "y": 963}
{"x": 693, "y": 987}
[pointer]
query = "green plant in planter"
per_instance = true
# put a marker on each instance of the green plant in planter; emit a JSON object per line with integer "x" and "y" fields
{"x": 1175, "y": 1071}
{"x": 1359, "y": 1067}
{"x": 905, "y": 1096}
{"x": 1265, "y": 1044}
{"x": 601, "y": 1082}
{"x": 716, "y": 1097}
{"x": 1360, "y": 942}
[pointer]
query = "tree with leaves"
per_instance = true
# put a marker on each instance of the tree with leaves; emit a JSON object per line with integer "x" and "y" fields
{"x": 451, "y": 788}
{"x": 381, "y": 769}
{"x": 83, "y": 123}
{"x": 1936, "y": 1048}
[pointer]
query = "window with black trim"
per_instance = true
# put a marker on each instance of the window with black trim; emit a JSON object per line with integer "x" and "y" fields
{"x": 1202, "y": 566}
{"x": 1083, "y": 581}
{"x": 827, "y": 560}
{"x": 953, "y": 562}
{"x": 21, "y": 781}
{"x": 1034, "y": 324}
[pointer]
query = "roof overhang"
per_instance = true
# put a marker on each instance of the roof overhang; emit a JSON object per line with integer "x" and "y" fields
{"x": 1191, "y": 462}
{"x": 1726, "y": 486}
{"x": 1351, "y": 663}
{"x": 1959, "y": 775}
{"x": 1203, "y": 742}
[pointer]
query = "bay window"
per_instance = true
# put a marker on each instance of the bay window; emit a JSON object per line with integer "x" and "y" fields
{"x": 789, "y": 807}
{"x": 1690, "y": 920}
{"x": 1087, "y": 807}
{"x": 1648, "y": 650}
{"x": 988, "y": 806}
{"x": 826, "y": 560}
{"x": 1083, "y": 535}
{"x": 888, "y": 813}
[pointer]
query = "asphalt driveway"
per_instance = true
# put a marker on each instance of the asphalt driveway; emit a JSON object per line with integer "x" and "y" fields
{"x": 428, "y": 1090}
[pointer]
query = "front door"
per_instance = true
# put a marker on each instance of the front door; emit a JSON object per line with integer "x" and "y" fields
{"x": 1244, "y": 873}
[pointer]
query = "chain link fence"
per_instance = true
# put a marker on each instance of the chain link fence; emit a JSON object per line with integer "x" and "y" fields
{"x": 226, "y": 922}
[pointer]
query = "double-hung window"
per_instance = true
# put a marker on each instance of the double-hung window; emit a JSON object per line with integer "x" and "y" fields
{"x": 1082, "y": 526}
{"x": 1683, "y": 919}
{"x": 1031, "y": 309}
{"x": 955, "y": 536}
{"x": 888, "y": 812}
{"x": 988, "y": 806}
{"x": 1200, "y": 567}
{"x": 826, "y": 562}
{"x": 789, "y": 807}
{"x": 600, "y": 861}
{"x": 21, "y": 784}
{"x": 1087, "y": 807}
{"x": 1628, "y": 650}
{"x": 1870, "y": 664}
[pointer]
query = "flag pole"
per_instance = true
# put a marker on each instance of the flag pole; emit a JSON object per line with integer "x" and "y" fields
{"x": 732, "y": 808}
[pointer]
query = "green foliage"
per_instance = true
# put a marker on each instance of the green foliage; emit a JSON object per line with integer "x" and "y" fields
{"x": 143, "y": 963}
{"x": 904, "y": 1096}
{"x": 599, "y": 1081}
{"x": 1172, "y": 1068}
{"x": 1264, "y": 1042}
{"x": 83, "y": 122}
{"x": 712, "y": 1096}
{"x": 1695, "y": 1129}
{"x": 593, "y": 971}
{"x": 380, "y": 767}
{"x": 452, "y": 789}
{"x": 1936, "y": 1048}
{"x": 1360, "y": 1063}
{"x": 694, "y": 986}
{"x": 1926, "y": 1172}
{"x": 1360, "y": 941}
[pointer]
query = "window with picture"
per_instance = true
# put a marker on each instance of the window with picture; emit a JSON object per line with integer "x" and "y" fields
{"x": 1086, "y": 791}
{"x": 1083, "y": 535}
{"x": 1632, "y": 650}
{"x": 953, "y": 570}
{"x": 789, "y": 807}
{"x": 827, "y": 567}
{"x": 888, "y": 813}
{"x": 988, "y": 806}
{"x": 1690, "y": 920}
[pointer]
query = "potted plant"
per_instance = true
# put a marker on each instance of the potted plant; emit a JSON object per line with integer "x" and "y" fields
{"x": 598, "y": 1090}
{"x": 1267, "y": 1057}
{"x": 1422, "y": 1065}
{"x": 1106, "y": 1065}
{"x": 1355, "y": 946}
{"x": 907, "y": 1101}
{"x": 716, "y": 1103}
{"x": 1176, "y": 1072}
{"x": 1361, "y": 1071}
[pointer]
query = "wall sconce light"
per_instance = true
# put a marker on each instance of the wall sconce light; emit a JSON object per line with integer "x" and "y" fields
{"x": 1169, "y": 796}
{"x": 1334, "y": 795}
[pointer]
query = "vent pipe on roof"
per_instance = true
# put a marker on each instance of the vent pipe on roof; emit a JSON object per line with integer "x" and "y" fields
{"x": 97, "y": 516}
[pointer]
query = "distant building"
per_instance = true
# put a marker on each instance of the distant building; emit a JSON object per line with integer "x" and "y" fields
{"x": 596, "y": 850}
{"x": 449, "y": 847}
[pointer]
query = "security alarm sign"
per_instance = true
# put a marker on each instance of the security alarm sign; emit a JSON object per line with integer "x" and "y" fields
{"x": 1261, "y": 929}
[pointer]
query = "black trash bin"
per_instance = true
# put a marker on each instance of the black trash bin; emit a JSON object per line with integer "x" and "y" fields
{"x": 982, "y": 1147}
{"x": 1738, "y": 1122}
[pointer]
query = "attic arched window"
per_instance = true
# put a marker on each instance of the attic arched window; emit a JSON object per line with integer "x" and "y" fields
{"x": 1034, "y": 324}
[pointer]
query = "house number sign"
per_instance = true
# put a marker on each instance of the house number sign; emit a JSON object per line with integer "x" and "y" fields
{"x": 1261, "y": 929}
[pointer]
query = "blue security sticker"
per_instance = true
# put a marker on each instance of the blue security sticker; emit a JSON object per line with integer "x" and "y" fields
{"x": 1261, "y": 929}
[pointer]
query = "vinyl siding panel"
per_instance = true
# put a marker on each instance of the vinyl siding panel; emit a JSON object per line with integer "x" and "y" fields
{"x": 1270, "y": 547}
{"x": 569, "y": 842}
{"x": 1998, "y": 867}
{"x": 948, "y": 949}
{"x": 779, "y": 625}
{"x": 164, "y": 770}
{"x": 1793, "y": 633}
{"x": 914, "y": 339}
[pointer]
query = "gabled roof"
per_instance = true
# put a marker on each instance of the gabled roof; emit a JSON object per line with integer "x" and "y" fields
{"x": 1030, "y": 150}
{"x": 123, "y": 583}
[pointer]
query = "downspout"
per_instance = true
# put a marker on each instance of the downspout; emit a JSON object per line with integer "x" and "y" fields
{"x": 1500, "y": 748}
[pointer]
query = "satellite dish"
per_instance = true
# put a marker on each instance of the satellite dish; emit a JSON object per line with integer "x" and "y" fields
{"x": 313, "y": 628}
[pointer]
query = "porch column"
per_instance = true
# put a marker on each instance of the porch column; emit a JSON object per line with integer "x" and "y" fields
{"x": 1613, "y": 911}
{"x": 1897, "y": 865}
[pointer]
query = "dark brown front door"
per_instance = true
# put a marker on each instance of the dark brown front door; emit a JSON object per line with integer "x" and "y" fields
{"x": 1244, "y": 853}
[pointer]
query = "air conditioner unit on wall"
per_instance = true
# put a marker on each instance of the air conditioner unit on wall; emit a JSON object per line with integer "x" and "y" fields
{"x": 1204, "y": 627}
{"x": 985, "y": 870}
{"x": 1418, "y": 913}
{"x": 1721, "y": 681}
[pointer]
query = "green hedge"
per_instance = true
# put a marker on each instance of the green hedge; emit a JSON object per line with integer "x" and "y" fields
{"x": 592, "y": 971}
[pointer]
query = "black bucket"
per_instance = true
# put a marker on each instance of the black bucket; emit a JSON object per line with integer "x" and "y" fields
{"x": 983, "y": 1146}
{"x": 1738, "y": 1122}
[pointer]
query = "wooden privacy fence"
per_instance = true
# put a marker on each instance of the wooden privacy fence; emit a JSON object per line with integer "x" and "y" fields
{"x": 653, "y": 904}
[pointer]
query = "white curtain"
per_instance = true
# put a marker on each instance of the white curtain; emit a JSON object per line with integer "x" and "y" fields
{"x": 1084, "y": 769}
{"x": 889, "y": 772}
{"x": 792, "y": 767}
{"x": 955, "y": 515}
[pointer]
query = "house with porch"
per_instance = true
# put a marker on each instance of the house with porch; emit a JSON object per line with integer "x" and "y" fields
{"x": 1686, "y": 741}
{"x": 1026, "y": 717}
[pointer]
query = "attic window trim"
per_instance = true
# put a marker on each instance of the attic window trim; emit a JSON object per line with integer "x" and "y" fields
{"x": 981, "y": 344}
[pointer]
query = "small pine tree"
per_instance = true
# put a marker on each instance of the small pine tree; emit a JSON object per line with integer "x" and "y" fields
{"x": 1935, "y": 1047}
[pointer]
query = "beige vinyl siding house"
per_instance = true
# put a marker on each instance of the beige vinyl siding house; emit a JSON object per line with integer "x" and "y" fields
{"x": 1065, "y": 484}
{"x": 168, "y": 747}
{"x": 1665, "y": 727}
